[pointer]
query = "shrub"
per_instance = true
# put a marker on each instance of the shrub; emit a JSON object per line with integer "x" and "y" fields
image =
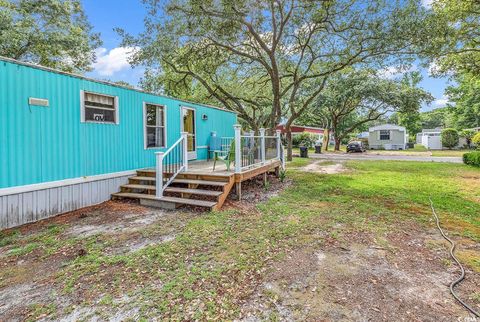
{"x": 476, "y": 140}
{"x": 468, "y": 135}
{"x": 304, "y": 139}
{"x": 450, "y": 138}
{"x": 472, "y": 158}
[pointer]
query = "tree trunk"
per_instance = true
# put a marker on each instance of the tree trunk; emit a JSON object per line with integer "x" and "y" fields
{"x": 337, "y": 143}
{"x": 326, "y": 139}
{"x": 288, "y": 133}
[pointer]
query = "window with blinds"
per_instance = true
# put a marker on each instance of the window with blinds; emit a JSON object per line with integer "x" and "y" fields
{"x": 154, "y": 126}
{"x": 99, "y": 108}
{"x": 384, "y": 135}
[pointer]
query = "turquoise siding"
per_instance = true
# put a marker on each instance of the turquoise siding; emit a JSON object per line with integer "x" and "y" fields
{"x": 41, "y": 144}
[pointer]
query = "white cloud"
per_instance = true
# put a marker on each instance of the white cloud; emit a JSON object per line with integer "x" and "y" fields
{"x": 115, "y": 60}
{"x": 441, "y": 102}
{"x": 392, "y": 72}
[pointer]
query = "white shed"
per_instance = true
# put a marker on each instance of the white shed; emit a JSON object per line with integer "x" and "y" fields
{"x": 431, "y": 138}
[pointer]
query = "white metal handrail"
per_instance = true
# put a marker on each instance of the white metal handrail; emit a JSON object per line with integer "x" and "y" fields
{"x": 170, "y": 163}
{"x": 252, "y": 151}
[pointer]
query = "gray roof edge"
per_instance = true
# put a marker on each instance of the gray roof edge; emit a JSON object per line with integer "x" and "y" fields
{"x": 386, "y": 127}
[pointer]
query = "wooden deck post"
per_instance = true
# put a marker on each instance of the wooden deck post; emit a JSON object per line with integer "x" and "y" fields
{"x": 262, "y": 145}
{"x": 238, "y": 157}
{"x": 238, "y": 148}
{"x": 280, "y": 150}
{"x": 238, "y": 190}
{"x": 279, "y": 143}
{"x": 159, "y": 174}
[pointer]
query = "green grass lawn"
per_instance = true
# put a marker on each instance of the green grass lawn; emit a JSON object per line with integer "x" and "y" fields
{"x": 419, "y": 148}
{"x": 218, "y": 258}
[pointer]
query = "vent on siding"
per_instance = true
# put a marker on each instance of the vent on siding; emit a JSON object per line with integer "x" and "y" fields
{"x": 38, "y": 101}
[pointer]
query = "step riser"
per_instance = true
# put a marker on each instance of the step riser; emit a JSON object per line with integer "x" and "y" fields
{"x": 158, "y": 204}
{"x": 188, "y": 195}
{"x": 201, "y": 177}
{"x": 136, "y": 190}
{"x": 141, "y": 173}
{"x": 196, "y": 192}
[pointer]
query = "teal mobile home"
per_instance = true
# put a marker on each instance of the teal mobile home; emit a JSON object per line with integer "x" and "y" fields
{"x": 68, "y": 141}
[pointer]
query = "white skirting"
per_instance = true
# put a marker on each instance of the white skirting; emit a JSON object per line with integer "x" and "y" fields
{"x": 21, "y": 205}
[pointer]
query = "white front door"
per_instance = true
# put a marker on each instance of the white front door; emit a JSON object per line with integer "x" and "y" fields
{"x": 188, "y": 125}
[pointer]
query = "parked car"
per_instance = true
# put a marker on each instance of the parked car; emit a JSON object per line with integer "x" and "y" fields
{"x": 356, "y": 146}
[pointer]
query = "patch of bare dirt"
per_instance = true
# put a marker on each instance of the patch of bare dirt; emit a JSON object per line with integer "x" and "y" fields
{"x": 255, "y": 191}
{"x": 325, "y": 167}
{"x": 139, "y": 243}
{"x": 406, "y": 281}
{"x": 29, "y": 280}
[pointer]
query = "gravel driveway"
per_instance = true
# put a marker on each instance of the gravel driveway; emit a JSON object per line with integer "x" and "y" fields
{"x": 363, "y": 156}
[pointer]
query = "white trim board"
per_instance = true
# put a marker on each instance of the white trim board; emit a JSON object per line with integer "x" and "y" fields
{"x": 61, "y": 183}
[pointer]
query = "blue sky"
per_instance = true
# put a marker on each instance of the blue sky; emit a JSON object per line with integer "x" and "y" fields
{"x": 112, "y": 62}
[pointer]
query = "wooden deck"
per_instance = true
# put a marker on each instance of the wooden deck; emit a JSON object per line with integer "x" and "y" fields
{"x": 200, "y": 186}
{"x": 205, "y": 168}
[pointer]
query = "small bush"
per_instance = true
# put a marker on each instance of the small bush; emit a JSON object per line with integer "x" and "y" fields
{"x": 468, "y": 135}
{"x": 304, "y": 139}
{"x": 450, "y": 138}
{"x": 476, "y": 140}
{"x": 472, "y": 158}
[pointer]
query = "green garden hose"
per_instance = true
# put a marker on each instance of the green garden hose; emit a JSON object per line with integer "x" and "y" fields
{"x": 452, "y": 254}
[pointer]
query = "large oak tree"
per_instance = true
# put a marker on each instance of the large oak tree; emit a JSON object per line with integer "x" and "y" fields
{"x": 52, "y": 33}
{"x": 269, "y": 59}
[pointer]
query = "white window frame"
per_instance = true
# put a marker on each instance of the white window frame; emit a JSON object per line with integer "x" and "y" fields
{"x": 83, "y": 108}
{"x": 145, "y": 126}
{"x": 380, "y": 135}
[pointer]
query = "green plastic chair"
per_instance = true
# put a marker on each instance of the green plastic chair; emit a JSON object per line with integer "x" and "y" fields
{"x": 228, "y": 159}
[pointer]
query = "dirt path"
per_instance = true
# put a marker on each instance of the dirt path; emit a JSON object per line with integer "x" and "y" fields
{"x": 364, "y": 156}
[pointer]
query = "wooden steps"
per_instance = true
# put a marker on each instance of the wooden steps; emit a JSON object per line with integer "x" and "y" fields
{"x": 184, "y": 190}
